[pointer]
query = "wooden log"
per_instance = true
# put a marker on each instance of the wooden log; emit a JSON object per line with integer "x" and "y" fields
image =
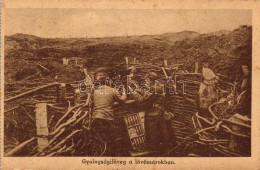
{"x": 19, "y": 147}
{"x": 63, "y": 141}
{"x": 41, "y": 125}
{"x": 31, "y": 91}
{"x": 68, "y": 112}
{"x": 14, "y": 108}
{"x": 127, "y": 102}
{"x": 56, "y": 107}
{"x": 56, "y": 136}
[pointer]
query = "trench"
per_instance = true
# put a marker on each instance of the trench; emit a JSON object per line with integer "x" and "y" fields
{"x": 69, "y": 138}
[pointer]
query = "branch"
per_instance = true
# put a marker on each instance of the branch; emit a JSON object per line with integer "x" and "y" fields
{"x": 19, "y": 147}
{"x": 31, "y": 91}
{"x": 43, "y": 67}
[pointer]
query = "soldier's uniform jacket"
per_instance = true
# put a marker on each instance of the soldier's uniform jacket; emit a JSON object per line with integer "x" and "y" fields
{"x": 153, "y": 101}
{"x": 207, "y": 91}
{"x": 158, "y": 131}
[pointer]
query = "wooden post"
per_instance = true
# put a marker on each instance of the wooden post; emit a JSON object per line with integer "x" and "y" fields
{"x": 67, "y": 61}
{"x": 165, "y": 63}
{"x": 77, "y": 97}
{"x": 41, "y": 125}
{"x": 196, "y": 67}
{"x": 134, "y": 60}
{"x": 63, "y": 93}
{"x": 64, "y": 60}
{"x": 69, "y": 104}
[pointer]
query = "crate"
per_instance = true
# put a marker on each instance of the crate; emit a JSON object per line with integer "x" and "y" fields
{"x": 135, "y": 127}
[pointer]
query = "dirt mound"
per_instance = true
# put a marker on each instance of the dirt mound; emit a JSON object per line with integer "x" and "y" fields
{"x": 226, "y": 51}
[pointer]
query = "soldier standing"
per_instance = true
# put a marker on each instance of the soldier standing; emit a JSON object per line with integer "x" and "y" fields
{"x": 157, "y": 128}
{"x": 103, "y": 115}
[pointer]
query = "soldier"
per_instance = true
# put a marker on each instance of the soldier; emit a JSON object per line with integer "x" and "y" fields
{"x": 207, "y": 93}
{"x": 103, "y": 115}
{"x": 157, "y": 128}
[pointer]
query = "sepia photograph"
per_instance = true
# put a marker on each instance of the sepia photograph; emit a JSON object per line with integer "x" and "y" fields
{"x": 127, "y": 82}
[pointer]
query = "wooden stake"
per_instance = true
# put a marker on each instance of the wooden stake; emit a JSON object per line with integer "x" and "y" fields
{"x": 165, "y": 63}
{"x": 42, "y": 126}
{"x": 67, "y": 61}
{"x": 165, "y": 72}
{"x": 64, "y": 60}
{"x": 63, "y": 93}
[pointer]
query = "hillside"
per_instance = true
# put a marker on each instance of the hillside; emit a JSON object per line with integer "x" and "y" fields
{"x": 225, "y": 50}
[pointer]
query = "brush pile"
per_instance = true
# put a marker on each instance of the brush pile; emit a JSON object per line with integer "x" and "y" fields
{"x": 69, "y": 131}
{"x": 227, "y": 130}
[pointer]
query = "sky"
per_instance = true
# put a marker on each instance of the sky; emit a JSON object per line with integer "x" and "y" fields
{"x": 90, "y": 23}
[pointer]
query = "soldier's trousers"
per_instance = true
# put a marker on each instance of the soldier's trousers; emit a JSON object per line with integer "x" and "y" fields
{"x": 106, "y": 131}
{"x": 159, "y": 134}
